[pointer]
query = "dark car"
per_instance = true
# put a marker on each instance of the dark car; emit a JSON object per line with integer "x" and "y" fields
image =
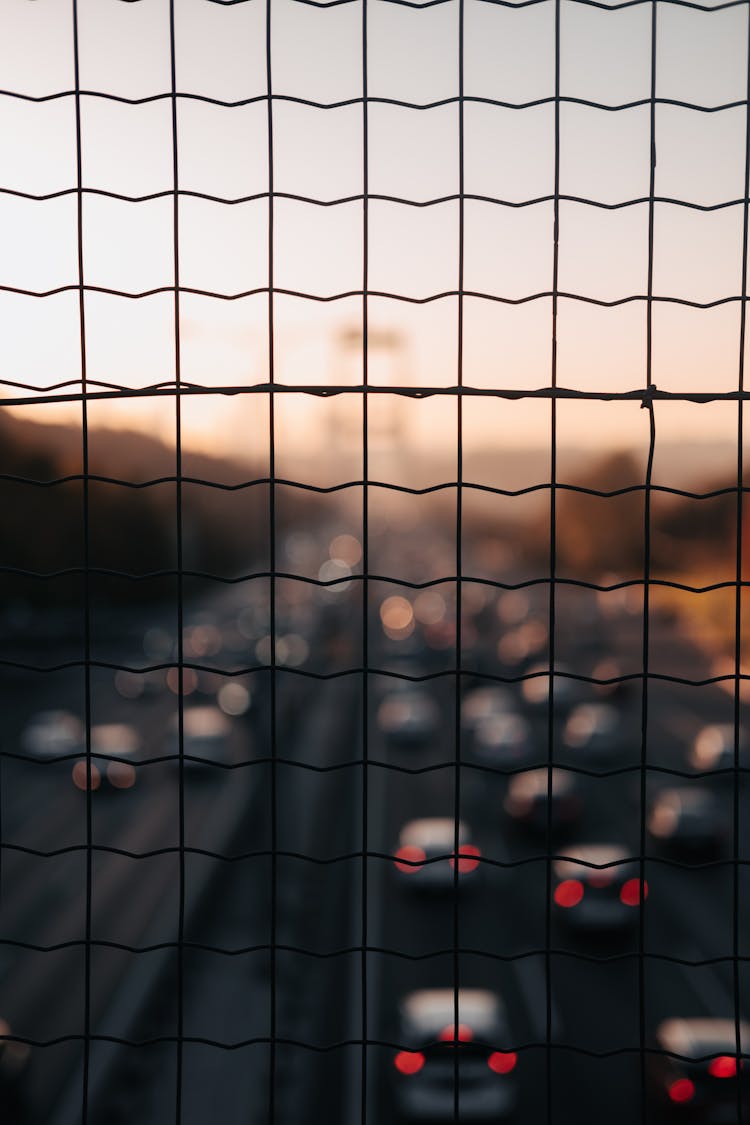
{"x": 687, "y": 819}
{"x": 598, "y": 888}
{"x": 114, "y": 749}
{"x": 427, "y": 1063}
{"x": 505, "y": 741}
{"x": 14, "y": 1077}
{"x": 594, "y": 735}
{"x": 695, "y": 1074}
{"x": 425, "y": 859}
{"x": 529, "y": 802}
{"x": 566, "y": 692}
{"x": 713, "y": 748}
{"x": 408, "y": 717}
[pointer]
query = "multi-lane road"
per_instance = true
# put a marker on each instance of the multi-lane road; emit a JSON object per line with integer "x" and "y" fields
{"x": 601, "y": 1000}
{"x": 301, "y": 931}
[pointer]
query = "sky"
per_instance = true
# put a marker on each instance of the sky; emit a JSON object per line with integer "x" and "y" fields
{"x": 701, "y": 58}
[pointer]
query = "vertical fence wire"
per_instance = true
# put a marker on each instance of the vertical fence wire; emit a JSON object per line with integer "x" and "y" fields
{"x": 176, "y": 312}
{"x": 740, "y": 1046}
{"x": 551, "y": 586}
{"x": 86, "y": 575}
{"x": 365, "y": 1066}
{"x": 458, "y": 692}
{"x": 647, "y": 404}
{"x": 273, "y": 569}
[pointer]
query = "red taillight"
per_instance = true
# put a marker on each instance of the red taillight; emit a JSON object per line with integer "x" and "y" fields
{"x": 681, "y": 1091}
{"x": 409, "y": 1062}
{"x": 630, "y": 892}
{"x": 569, "y": 892}
{"x": 410, "y": 858}
{"x": 461, "y": 1034}
{"x": 468, "y": 858}
{"x": 502, "y": 1062}
{"x": 723, "y": 1066}
{"x": 121, "y": 775}
{"x": 81, "y": 775}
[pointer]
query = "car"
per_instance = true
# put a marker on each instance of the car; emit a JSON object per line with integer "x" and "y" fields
{"x": 408, "y": 717}
{"x": 593, "y": 732}
{"x": 713, "y": 748}
{"x": 526, "y": 644}
{"x": 505, "y": 741}
{"x": 206, "y": 734}
{"x": 110, "y": 743}
{"x": 14, "y": 1075}
{"x": 52, "y": 734}
{"x": 687, "y": 818}
{"x": 426, "y": 1064}
{"x": 528, "y": 796}
{"x": 489, "y": 701}
{"x": 597, "y": 887}
{"x": 535, "y": 689}
{"x": 422, "y": 841}
{"x": 615, "y": 681}
{"x": 135, "y": 685}
{"x": 701, "y": 1084}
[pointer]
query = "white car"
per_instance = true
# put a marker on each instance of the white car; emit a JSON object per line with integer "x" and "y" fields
{"x": 206, "y": 734}
{"x": 52, "y": 734}
{"x": 110, "y": 744}
{"x": 598, "y": 888}
{"x": 505, "y": 741}
{"x": 421, "y": 842}
{"x": 695, "y": 1072}
{"x": 480, "y": 704}
{"x": 427, "y": 1064}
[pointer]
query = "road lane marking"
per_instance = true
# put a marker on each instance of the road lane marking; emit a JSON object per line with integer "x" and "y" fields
{"x": 532, "y": 984}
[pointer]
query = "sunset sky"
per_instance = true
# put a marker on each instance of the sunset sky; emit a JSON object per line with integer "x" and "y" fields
{"x": 509, "y": 154}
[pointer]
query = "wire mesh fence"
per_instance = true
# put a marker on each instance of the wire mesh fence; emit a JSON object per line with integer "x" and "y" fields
{"x": 365, "y": 680}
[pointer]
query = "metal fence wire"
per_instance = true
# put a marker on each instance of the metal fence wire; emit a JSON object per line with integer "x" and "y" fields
{"x": 367, "y": 1050}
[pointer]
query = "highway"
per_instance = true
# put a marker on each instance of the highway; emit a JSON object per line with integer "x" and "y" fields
{"x": 319, "y": 901}
{"x": 593, "y": 1069}
{"x": 595, "y": 987}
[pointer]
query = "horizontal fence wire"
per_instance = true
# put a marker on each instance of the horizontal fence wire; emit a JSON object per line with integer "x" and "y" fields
{"x": 324, "y": 1048}
{"x": 470, "y": 673}
{"x": 87, "y": 390}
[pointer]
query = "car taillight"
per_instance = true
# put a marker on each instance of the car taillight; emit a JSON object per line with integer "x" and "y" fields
{"x": 409, "y": 1062}
{"x": 410, "y": 858}
{"x": 502, "y": 1062}
{"x": 630, "y": 892}
{"x": 461, "y": 1034}
{"x": 681, "y": 1091}
{"x": 723, "y": 1066}
{"x": 81, "y": 775}
{"x": 569, "y": 892}
{"x": 468, "y": 858}
{"x": 121, "y": 775}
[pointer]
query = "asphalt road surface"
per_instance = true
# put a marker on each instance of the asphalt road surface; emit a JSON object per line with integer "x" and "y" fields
{"x": 294, "y": 934}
